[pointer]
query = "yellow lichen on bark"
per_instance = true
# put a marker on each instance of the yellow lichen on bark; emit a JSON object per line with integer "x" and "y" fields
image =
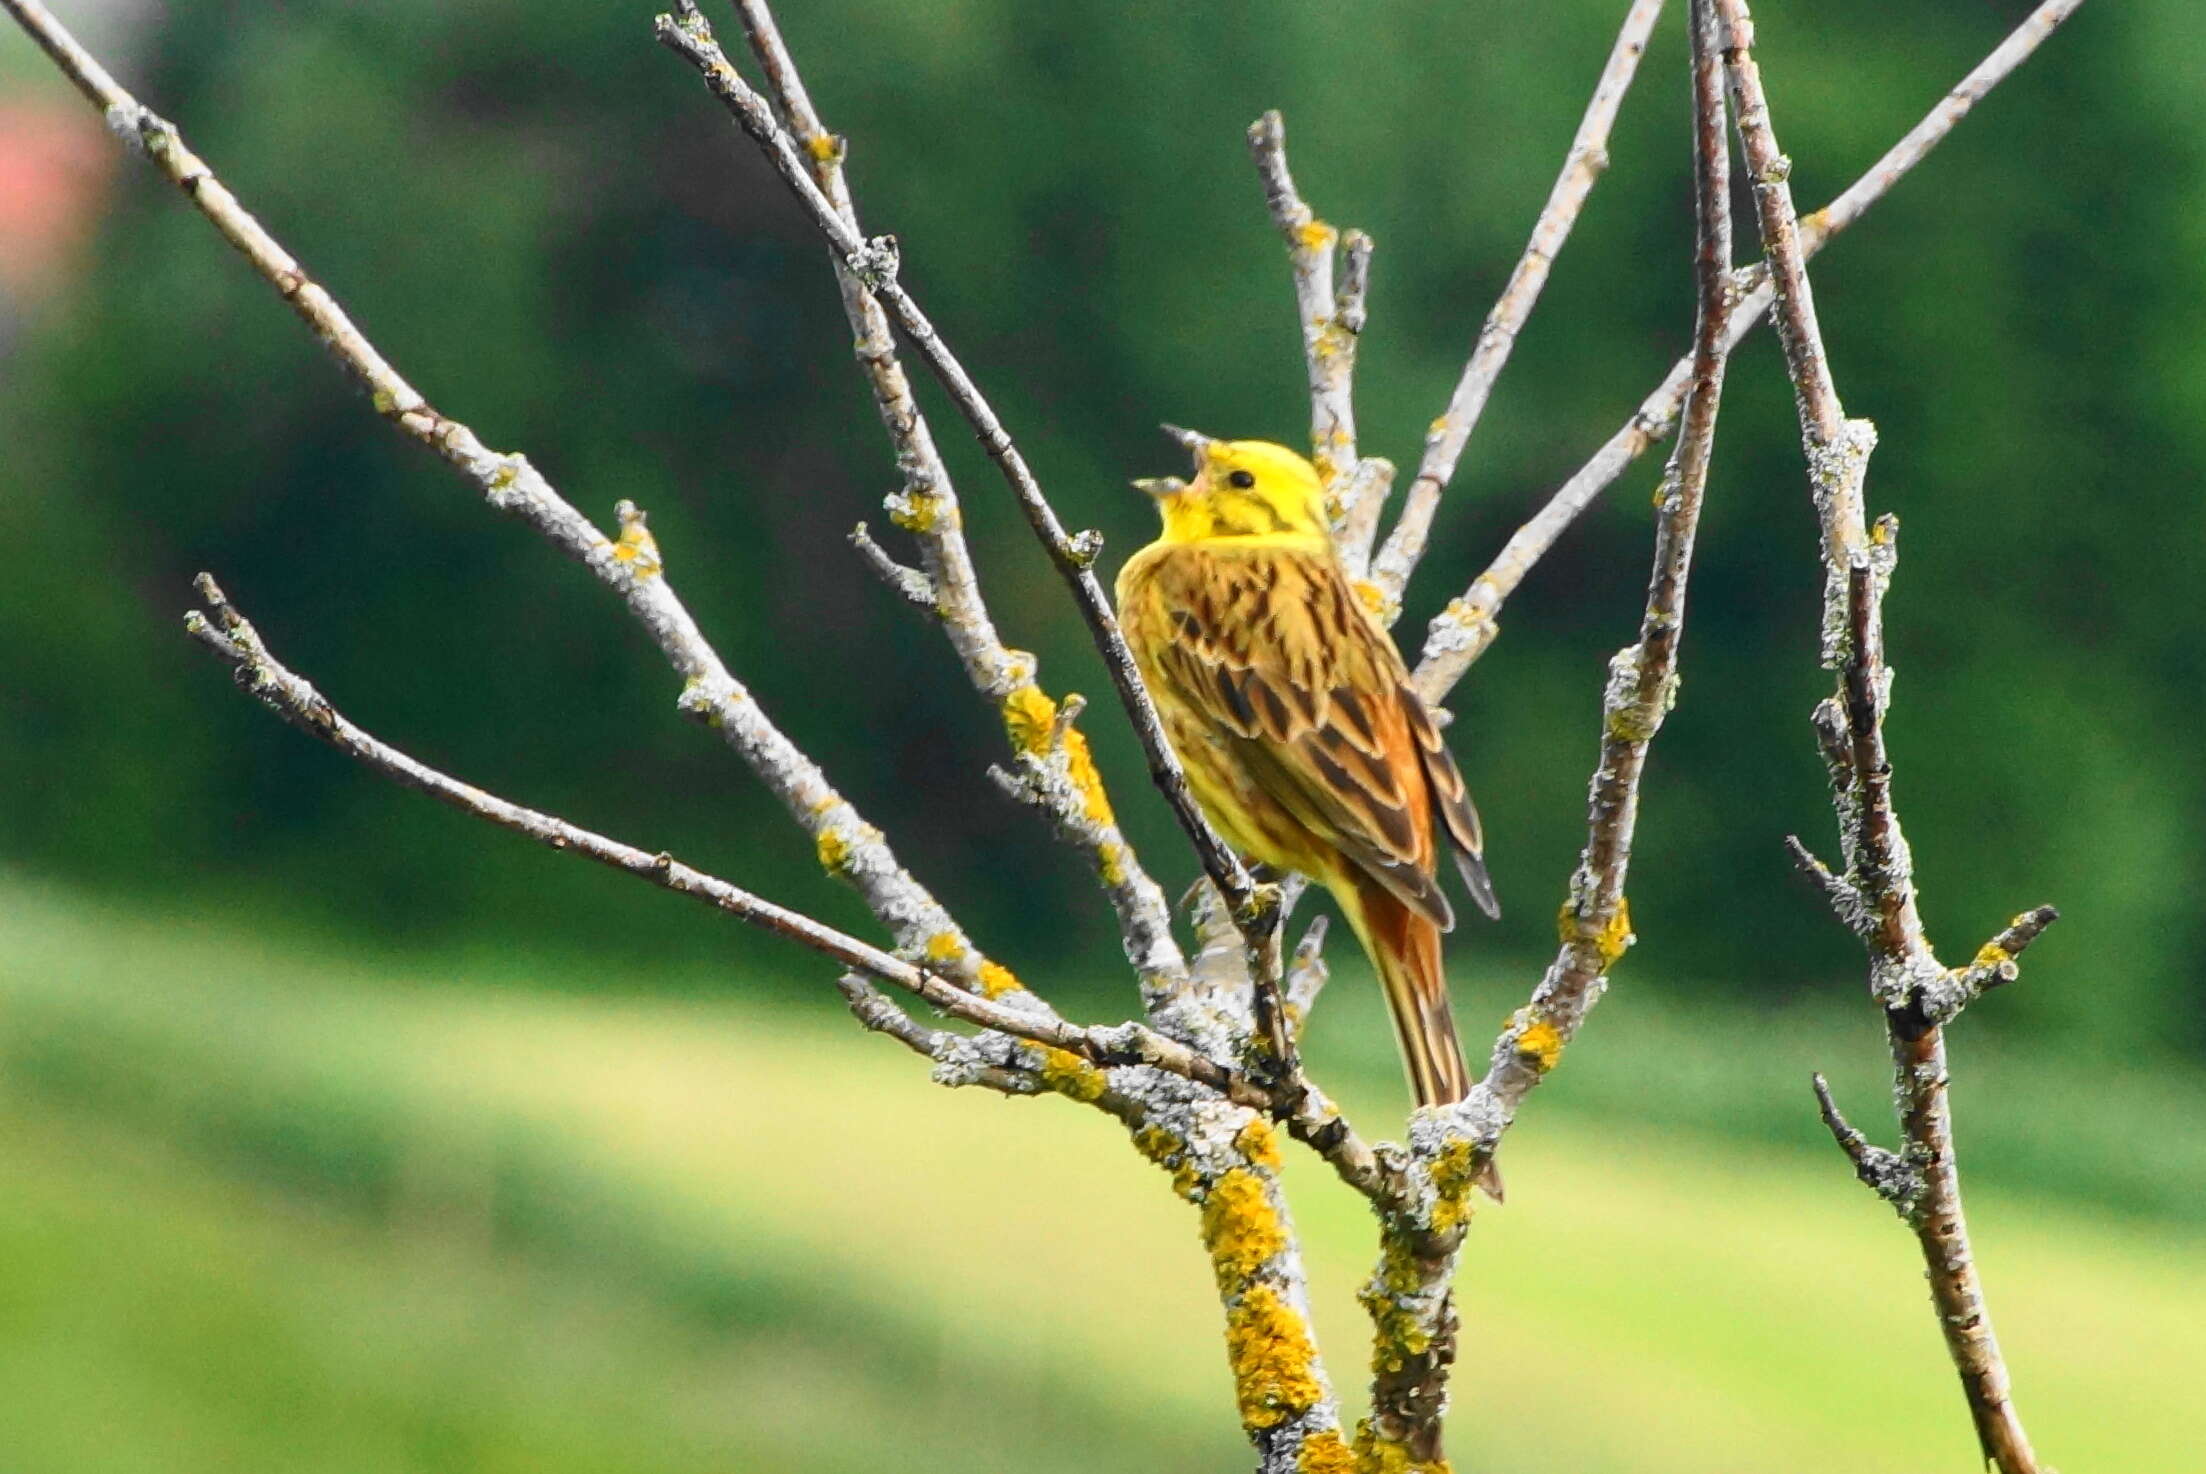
{"x": 997, "y": 980}
{"x": 1991, "y": 954}
{"x": 1540, "y": 1045}
{"x": 1325, "y": 1452}
{"x": 1080, "y": 768}
{"x": 1273, "y": 1358}
{"x": 834, "y": 851}
{"x": 1028, "y": 716}
{"x": 1376, "y": 1455}
{"x": 1609, "y": 940}
{"x": 1070, "y": 1075}
{"x": 1453, "y": 1172}
{"x": 1259, "y": 1143}
{"x": 944, "y": 947}
{"x": 1316, "y": 236}
{"x": 1241, "y": 1228}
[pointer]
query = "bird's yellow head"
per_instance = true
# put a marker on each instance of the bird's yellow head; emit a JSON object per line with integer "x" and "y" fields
{"x": 1243, "y": 490}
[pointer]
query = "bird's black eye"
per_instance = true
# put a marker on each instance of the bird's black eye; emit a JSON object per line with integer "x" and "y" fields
{"x": 1242, "y": 479}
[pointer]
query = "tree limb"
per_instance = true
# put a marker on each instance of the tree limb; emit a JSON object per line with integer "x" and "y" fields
{"x": 874, "y": 262}
{"x": 1463, "y": 631}
{"x": 629, "y": 566}
{"x": 1055, "y": 771}
{"x": 1582, "y": 168}
{"x": 1408, "y": 1294}
{"x": 1917, "y": 994}
{"x": 1016, "y": 1013}
{"x": 1332, "y": 325}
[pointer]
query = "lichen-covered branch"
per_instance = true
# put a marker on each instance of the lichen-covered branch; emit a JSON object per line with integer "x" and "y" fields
{"x": 1876, "y": 895}
{"x": 874, "y": 263}
{"x": 1445, "y": 439}
{"x": 1408, "y": 1295}
{"x": 1463, "y": 631}
{"x": 1054, "y": 770}
{"x": 1332, "y": 320}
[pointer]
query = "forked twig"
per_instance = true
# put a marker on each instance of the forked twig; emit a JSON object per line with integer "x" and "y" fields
{"x": 1878, "y": 899}
{"x": 1408, "y": 1295}
{"x": 1461, "y": 633}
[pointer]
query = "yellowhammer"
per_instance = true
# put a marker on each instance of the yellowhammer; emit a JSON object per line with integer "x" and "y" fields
{"x": 1293, "y": 714}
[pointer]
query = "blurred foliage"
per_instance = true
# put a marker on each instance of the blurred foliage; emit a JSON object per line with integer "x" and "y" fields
{"x": 551, "y": 229}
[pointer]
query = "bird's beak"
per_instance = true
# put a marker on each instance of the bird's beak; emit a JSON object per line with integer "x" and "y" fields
{"x": 1198, "y": 446}
{"x": 1160, "y": 487}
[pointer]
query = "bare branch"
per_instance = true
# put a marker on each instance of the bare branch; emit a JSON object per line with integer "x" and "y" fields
{"x": 1582, "y": 169}
{"x": 874, "y": 263}
{"x": 1331, "y": 318}
{"x": 630, "y": 566}
{"x": 1884, "y": 1173}
{"x": 1454, "y": 1146}
{"x": 1060, "y": 776}
{"x": 1463, "y": 631}
{"x": 909, "y": 584}
{"x": 1917, "y": 994}
{"x": 1306, "y": 971}
{"x": 230, "y": 636}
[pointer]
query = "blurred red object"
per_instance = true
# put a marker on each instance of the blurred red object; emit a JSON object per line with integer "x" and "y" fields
{"x": 54, "y": 166}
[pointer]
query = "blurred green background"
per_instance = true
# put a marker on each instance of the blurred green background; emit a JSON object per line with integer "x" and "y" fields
{"x": 344, "y": 1134}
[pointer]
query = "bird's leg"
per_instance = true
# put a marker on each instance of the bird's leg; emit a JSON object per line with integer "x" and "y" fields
{"x": 1260, "y": 921}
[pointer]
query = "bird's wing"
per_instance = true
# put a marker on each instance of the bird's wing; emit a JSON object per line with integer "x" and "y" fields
{"x": 1271, "y": 647}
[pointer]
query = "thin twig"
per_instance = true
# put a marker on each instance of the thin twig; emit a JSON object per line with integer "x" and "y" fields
{"x": 1582, "y": 168}
{"x": 874, "y": 262}
{"x": 1463, "y": 631}
{"x": 1056, "y": 772}
{"x": 1408, "y": 1295}
{"x": 1917, "y": 994}
{"x": 1332, "y": 319}
{"x": 260, "y": 674}
{"x": 630, "y": 565}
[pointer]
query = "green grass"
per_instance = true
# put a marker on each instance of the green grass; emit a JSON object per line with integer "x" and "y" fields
{"x": 270, "y": 1210}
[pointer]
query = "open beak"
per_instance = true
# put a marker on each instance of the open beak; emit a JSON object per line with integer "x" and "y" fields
{"x": 1198, "y": 446}
{"x": 1160, "y": 487}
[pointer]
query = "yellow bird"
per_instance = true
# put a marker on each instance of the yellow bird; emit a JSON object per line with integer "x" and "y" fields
{"x": 1294, "y": 716}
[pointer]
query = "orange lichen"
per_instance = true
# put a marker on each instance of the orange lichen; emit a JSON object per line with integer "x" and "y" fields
{"x": 1370, "y": 595}
{"x": 1274, "y": 1362}
{"x": 824, "y": 147}
{"x": 944, "y": 946}
{"x": 1316, "y": 236}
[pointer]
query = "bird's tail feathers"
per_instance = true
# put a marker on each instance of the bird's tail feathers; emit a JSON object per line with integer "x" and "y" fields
{"x": 1405, "y": 948}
